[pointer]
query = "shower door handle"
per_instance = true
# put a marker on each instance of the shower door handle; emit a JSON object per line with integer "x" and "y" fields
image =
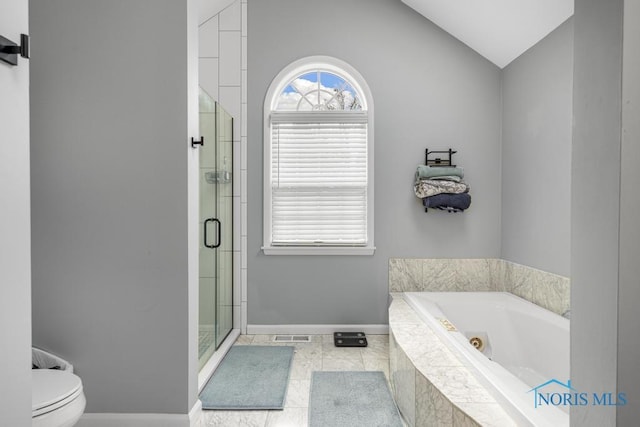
{"x": 219, "y": 233}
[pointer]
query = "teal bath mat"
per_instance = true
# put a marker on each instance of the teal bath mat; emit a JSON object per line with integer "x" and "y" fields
{"x": 249, "y": 377}
{"x": 351, "y": 399}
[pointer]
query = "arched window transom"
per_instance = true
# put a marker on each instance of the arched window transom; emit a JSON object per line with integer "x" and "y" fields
{"x": 319, "y": 91}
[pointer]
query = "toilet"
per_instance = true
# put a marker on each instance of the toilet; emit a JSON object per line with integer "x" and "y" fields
{"x": 57, "y": 397}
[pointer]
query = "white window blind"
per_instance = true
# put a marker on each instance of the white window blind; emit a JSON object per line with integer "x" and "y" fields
{"x": 319, "y": 178}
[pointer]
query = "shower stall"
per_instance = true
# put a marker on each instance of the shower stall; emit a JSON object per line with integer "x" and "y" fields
{"x": 216, "y": 227}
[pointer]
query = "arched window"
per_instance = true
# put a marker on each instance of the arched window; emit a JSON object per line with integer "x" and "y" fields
{"x": 318, "y": 153}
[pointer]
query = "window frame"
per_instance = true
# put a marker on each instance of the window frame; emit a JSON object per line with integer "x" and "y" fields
{"x": 277, "y": 86}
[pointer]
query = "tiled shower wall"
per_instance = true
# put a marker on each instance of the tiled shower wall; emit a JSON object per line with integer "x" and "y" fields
{"x": 223, "y": 75}
{"x": 547, "y": 290}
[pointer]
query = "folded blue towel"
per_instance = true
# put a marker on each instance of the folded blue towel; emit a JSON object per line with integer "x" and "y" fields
{"x": 448, "y": 201}
{"x": 424, "y": 172}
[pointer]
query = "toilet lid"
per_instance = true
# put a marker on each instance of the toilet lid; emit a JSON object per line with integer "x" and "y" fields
{"x": 52, "y": 389}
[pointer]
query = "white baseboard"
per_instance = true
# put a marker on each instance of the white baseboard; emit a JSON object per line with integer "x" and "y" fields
{"x": 192, "y": 419}
{"x": 315, "y": 329}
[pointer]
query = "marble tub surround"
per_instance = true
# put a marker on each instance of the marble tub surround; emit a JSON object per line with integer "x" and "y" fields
{"x": 547, "y": 290}
{"x": 430, "y": 383}
{"x": 444, "y": 274}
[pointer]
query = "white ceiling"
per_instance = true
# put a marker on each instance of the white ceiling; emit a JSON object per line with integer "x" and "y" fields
{"x": 499, "y": 30}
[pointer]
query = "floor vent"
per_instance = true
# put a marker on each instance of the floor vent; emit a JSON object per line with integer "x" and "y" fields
{"x": 292, "y": 338}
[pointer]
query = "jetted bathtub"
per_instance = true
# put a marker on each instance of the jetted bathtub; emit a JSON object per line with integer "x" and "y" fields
{"x": 514, "y": 346}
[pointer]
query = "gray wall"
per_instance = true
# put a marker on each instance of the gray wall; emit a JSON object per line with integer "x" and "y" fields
{"x": 429, "y": 90}
{"x": 536, "y": 154}
{"x": 113, "y": 289}
{"x": 629, "y": 291}
{"x": 15, "y": 257}
{"x": 595, "y": 204}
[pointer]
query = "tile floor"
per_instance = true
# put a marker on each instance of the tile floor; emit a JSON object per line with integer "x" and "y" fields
{"x": 318, "y": 355}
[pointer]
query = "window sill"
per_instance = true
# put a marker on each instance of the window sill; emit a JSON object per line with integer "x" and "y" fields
{"x": 317, "y": 250}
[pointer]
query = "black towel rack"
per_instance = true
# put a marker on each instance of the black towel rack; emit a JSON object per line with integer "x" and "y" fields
{"x": 439, "y": 161}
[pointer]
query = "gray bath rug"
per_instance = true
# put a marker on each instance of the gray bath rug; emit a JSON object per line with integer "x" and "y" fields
{"x": 249, "y": 377}
{"x": 351, "y": 399}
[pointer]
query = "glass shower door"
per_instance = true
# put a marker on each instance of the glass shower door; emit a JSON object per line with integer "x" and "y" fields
{"x": 224, "y": 212}
{"x": 216, "y": 228}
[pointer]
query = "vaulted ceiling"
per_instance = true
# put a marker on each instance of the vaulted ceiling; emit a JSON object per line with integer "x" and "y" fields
{"x": 499, "y": 30}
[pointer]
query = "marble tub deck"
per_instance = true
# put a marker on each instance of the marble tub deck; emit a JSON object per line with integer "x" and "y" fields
{"x": 431, "y": 385}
